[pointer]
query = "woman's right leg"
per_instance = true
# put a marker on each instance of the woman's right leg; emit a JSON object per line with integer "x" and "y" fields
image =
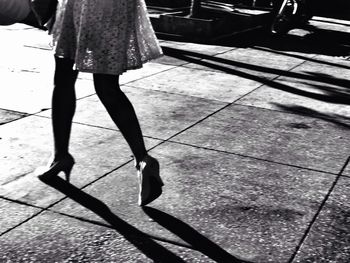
{"x": 63, "y": 105}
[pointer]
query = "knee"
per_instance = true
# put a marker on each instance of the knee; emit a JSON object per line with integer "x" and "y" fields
{"x": 106, "y": 85}
{"x": 65, "y": 76}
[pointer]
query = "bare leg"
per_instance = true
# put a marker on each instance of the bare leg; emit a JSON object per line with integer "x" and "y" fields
{"x": 63, "y": 105}
{"x": 121, "y": 111}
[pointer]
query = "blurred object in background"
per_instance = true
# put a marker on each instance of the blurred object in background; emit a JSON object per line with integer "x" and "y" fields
{"x": 13, "y": 11}
{"x": 290, "y": 14}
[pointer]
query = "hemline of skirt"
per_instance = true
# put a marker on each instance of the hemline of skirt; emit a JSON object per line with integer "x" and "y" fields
{"x": 122, "y": 70}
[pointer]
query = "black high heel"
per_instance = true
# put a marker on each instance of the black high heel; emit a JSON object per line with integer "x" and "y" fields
{"x": 63, "y": 165}
{"x": 150, "y": 183}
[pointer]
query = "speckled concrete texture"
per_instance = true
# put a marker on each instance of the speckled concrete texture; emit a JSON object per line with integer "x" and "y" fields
{"x": 233, "y": 201}
{"x": 347, "y": 169}
{"x": 55, "y": 238}
{"x": 328, "y": 239}
{"x": 251, "y": 134}
{"x": 203, "y": 85}
{"x": 271, "y": 135}
{"x": 170, "y": 114}
{"x": 26, "y": 145}
{"x": 13, "y": 214}
{"x": 8, "y": 116}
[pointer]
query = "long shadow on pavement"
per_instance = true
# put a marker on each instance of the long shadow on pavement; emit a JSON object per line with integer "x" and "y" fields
{"x": 316, "y": 40}
{"x": 191, "y": 236}
{"x": 139, "y": 239}
{"x": 136, "y": 237}
{"x": 333, "y": 95}
{"x": 337, "y": 119}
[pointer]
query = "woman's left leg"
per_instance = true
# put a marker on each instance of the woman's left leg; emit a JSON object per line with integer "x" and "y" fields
{"x": 121, "y": 111}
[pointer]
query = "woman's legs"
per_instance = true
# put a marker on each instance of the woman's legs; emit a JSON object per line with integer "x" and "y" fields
{"x": 121, "y": 111}
{"x": 63, "y": 105}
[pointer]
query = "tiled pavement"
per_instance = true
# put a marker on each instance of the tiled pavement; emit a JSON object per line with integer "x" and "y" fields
{"x": 252, "y": 136}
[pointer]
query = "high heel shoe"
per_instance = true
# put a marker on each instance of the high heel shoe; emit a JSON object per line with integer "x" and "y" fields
{"x": 63, "y": 165}
{"x": 150, "y": 183}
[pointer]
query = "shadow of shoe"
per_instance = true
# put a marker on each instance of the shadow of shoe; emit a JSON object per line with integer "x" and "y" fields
{"x": 191, "y": 236}
{"x": 139, "y": 239}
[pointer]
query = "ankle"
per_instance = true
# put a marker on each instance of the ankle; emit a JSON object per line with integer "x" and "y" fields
{"x": 139, "y": 159}
{"x": 60, "y": 156}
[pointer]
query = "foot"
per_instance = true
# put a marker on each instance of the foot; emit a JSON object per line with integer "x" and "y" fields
{"x": 150, "y": 183}
{"x": 64, "y": 164}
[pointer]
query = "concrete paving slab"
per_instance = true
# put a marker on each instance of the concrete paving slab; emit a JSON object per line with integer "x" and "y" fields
{"x": 274, "y": 136}
{"x": 335, "y": 61}
{"x": 216, "y": 64}
{"x": 55, "y": 238}
{"x": 22, "y": 58}
{"x": 325, "y": 73}
{"x": 328, "y": 239}
{"x": 347, "y": 170}
{"x": 52, "y": 237}
{"x": 161, "y": 115}
{"x": 25, "y": 48}
{"x": 263, "y": 60}
{"x": 26, "y": 145}
{"x": 148, "y": 69}
{"x": 13, "y": 214}
{"x": 314, "y": 98}
{"x": 8, "y": 116}
{"x": 253, "y": 210}
{"x": 199, "y": 83}
{"x": 250, "y": 63}
{"x": 196, "y": 47}
{"x": 30, "y": 92}
{"x": 23, "y": 35}
{"x": 170, "y": 60}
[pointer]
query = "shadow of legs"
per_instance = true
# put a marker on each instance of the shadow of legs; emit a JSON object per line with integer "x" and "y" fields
{"x": 191, "y": 236}
{"x": 136, "y": 237}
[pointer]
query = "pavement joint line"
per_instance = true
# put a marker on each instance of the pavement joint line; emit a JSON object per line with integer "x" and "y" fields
{"x": 47, "y": 208}
{"x": 252, "y": 157}
{"x": 14, "y": 111}
{"x": 178, "y": 94}
{"x": 308, "y": 59}
{"x": 322, "y": 205}
{"x": 37, "y": 47}
{"x": 17, "y": 177}
{"x": 25, "y": 115}
{"x": 93, "y": 222}
{"x": 102, "y": 127}
{"x": 291, "y": 113}
{"x": 23, "y": 222}
{"x": 236, "y": 72}
{"x": 265, "y": 82}
{"x": 151, "y": 75}
{"x": 20, "y": 202}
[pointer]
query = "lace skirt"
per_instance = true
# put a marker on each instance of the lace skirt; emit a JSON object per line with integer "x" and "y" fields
{"x": 104, "y": 36}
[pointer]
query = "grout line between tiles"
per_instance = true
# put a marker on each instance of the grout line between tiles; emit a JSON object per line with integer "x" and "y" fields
{"x": 93, "y": 222}
{"x": 291, "y": 113}
{"x": 306, "y": 233}
{"x": 266, "y": 81}
{"x": 59, "y": 200}
{"x": 251, "y": 157}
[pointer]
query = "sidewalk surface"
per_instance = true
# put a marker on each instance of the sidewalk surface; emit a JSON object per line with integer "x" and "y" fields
{"x": 252, "y": 136}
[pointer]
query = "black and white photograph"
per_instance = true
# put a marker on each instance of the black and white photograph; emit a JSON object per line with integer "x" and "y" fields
{"x": 199, "y": 131}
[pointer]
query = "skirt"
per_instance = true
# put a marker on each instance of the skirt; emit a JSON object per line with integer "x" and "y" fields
{"x": 104, "y": 36}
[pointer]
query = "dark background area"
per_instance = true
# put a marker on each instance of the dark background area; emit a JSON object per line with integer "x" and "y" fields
{"x": 327, "y": 8}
